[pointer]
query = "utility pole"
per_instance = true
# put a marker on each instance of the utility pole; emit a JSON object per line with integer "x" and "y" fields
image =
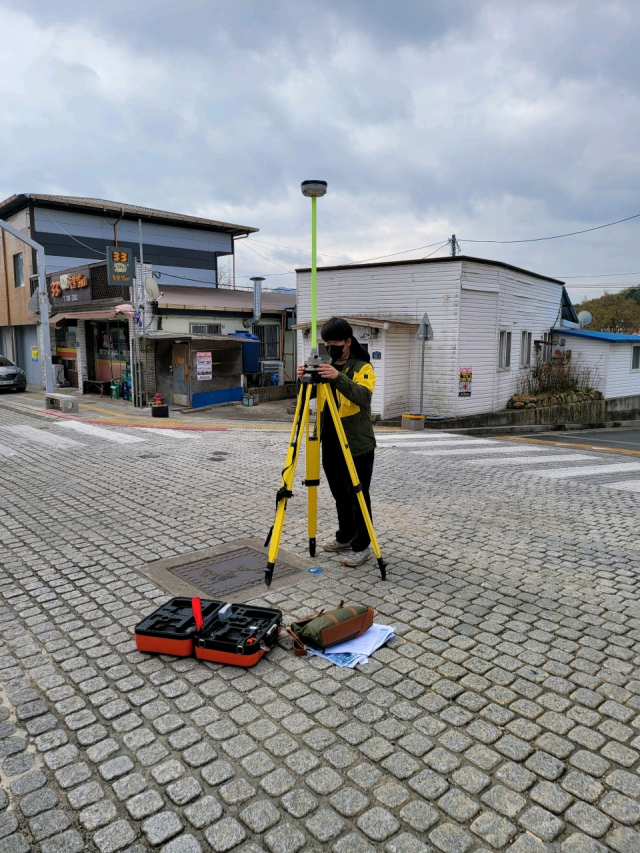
{"x": 454, "y": 246}
{"x": 43, "y": 301}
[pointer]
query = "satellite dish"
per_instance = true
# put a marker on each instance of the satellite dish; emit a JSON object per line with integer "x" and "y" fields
{"x": 584, "y": 318}
{"x": 153, "y": 291}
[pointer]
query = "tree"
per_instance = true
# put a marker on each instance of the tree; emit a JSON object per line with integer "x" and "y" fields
{"x": 613, "y": 312}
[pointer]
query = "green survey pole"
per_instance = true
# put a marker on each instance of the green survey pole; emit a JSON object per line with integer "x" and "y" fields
{"x": 314, "y": 190}
{"x": 314, "y": 277}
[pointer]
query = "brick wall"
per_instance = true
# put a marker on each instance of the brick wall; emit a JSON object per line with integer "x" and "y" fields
{"x": 18, "y": 296}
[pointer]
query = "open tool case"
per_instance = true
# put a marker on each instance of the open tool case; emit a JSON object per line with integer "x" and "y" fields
{"x": 171, "y": 629}
{"x": 238, "y": 634}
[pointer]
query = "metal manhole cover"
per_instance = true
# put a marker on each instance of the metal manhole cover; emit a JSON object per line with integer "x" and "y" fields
{"x": 234, "y": 571}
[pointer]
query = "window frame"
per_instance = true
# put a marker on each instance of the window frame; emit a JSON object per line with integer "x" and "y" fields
{"x": 635, "y": 359}
{"x": 526, "y": 340}
{"x": 505, "y": 342}
{"x": 208, "y": 328}
{"x": 18, "y": 269}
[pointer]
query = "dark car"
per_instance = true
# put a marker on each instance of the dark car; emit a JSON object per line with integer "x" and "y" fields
{"x": 12, "y": 377}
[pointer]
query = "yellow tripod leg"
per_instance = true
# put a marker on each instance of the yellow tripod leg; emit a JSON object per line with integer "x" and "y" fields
{"x": 284, "y": 493}
{"x": 355, "y": 480}
{"x": 312, "y": 480}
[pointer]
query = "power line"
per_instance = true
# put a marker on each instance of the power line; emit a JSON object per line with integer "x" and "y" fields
{"x": 266, "y": 258}
{"x": 102, "y": 254}
{"x": 599, "y": 275}
{"x": 558, "y": 236}
{"x": 441, "y": 246}
{"x": 293, "y": 248}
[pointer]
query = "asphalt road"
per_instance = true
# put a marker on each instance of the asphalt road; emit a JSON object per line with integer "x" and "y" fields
{"x": 613, "y": 439}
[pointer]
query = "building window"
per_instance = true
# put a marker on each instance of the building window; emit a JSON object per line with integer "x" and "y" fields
{"x": 635, "y": 358}
{"x": 525, "y": 349}
{"x": 18, "y": 270}
{"x": 269, "y": 342}
{"x": 504, "y": 351}
{"x": 205, "y": 328}
{"x": 547, "y": 347}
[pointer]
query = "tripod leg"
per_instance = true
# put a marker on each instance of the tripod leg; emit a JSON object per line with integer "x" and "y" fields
{"x": 288, "y": 475}
{"x": 312, "y": 480}
{"x": 355, "y": 480}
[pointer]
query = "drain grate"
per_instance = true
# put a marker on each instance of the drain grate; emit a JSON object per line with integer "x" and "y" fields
{"x": 231, "y": 572}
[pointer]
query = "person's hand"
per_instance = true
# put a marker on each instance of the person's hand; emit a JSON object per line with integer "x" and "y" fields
{"x": 300, "y": 371}
{"x": 327, "y": 371}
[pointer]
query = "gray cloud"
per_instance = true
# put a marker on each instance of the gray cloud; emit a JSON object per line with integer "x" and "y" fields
{"x": 491, "y": 119}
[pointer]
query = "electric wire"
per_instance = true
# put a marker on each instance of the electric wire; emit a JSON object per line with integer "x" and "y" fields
{"x": 266, "y": 258}
{"x": 102, "y": 254}
{"x": 558, "y": 236}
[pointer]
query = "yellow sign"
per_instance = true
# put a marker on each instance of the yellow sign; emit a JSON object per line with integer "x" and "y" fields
{"x": 35, "y": 353}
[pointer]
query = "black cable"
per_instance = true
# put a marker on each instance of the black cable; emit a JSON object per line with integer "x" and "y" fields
{"x": 266, "y": 258}
{"x": 558, "y": 236}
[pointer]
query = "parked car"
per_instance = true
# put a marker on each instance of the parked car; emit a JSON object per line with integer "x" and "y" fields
{"x": 12, "y": 377}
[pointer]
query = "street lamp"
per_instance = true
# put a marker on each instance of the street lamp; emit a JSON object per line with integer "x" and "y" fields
{"x": 313, "y": 190}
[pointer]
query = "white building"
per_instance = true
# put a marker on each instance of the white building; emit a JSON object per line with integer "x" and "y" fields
{"x": 612, "y": 359}
{"x": 487, "y": 318}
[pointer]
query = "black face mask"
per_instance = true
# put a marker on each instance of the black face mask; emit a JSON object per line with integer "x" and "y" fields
{"x": 336, "y": 352}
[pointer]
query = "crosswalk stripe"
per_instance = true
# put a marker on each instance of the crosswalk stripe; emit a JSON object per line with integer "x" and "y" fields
{"x": 624, "y": 486}
{"x": 413, "y": 436}
{"x": 24, "y": 434}
{"x": 170, "y": 433}
{"x": 524, "y": 460}
{"x": 476, "y": 451}
{"x": 469, "y": 442}
{"x": 584, "y": 470}
{"x": 101, "y": 432}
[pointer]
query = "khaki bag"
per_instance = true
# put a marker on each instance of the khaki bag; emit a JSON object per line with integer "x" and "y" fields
{"x": 328, "y": 629}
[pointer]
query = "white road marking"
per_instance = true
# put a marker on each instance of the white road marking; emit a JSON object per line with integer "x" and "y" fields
{"x": 624, "y": 486}
{"x": 475, "y": 451}
{"x": 443, "y": 443}
{"x": 169, "y": 433}
{"x": 100, "y": 432}
{"x": 412, "y": 435}
{"x": 522, "y": 460}
{"x": 585, "y": 470}
{"x": 32, "y": 435}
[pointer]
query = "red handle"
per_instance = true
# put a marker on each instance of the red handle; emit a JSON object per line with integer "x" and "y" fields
{"x": 196, "y": 606}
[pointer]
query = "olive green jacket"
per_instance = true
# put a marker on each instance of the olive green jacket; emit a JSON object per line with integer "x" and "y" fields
{"x": 354, "y": 387}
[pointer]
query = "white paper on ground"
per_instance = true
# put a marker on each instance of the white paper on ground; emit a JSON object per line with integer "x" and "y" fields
{"x": 365, "y": 644}
{"x": 353, "y": 652}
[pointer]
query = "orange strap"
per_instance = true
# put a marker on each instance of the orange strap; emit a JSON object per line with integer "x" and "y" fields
{"x": 299, "y": 648}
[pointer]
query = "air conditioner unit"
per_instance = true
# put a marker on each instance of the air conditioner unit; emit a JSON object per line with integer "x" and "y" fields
{"x": 272, "y": 366}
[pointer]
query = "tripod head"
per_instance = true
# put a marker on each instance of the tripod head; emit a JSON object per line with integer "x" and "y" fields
{"x": 311, "y": 365}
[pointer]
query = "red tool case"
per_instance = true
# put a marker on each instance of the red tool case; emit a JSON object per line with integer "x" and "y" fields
{"x": 171, "y": 629}
{"x": 239, "y": 636}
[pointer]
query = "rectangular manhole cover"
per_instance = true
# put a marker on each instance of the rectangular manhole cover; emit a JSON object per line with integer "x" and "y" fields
{"x": 236, "y": 570}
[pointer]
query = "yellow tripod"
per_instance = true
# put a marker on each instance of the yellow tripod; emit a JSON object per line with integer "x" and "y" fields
{"x": 302, "y": 425}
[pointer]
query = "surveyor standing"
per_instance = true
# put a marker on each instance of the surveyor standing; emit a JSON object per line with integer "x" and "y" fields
{"x": 352, "y": 380}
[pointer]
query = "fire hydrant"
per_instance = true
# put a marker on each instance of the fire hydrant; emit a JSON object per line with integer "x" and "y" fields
{"x": 158, "y": 399}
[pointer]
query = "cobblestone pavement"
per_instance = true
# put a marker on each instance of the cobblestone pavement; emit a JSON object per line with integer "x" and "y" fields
{"x": 505, "y": 714}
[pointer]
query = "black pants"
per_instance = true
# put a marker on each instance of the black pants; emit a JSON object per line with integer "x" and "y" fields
{"x": 351, "y": 526}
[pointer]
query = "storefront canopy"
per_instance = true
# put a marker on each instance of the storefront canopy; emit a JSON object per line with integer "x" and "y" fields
{"x": 85, "y": 315}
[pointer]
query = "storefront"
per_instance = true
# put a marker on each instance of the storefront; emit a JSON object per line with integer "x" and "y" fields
{"x": 108, "y": 352}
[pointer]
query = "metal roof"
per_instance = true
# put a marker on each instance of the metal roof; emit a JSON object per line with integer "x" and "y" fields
{"x": 447, "y": 260}
{"x": 115, "y": 208}
{"x": 220, "y": 299}
{"x": 610, "y": 337}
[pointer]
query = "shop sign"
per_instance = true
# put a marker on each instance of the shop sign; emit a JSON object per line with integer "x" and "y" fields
{"x": 466, "y": 377}
{"x": 69, "y": 288}
{"x": 35, "y": 354}
{"x": 204, "y": 366}
{"x": 120, "y": 266}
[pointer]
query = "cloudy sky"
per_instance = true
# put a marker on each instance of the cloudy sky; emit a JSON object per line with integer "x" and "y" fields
{"x": 498, "y": 120}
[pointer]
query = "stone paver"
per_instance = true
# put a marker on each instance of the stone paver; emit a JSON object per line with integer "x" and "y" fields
{"x": 504, "y": 715}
